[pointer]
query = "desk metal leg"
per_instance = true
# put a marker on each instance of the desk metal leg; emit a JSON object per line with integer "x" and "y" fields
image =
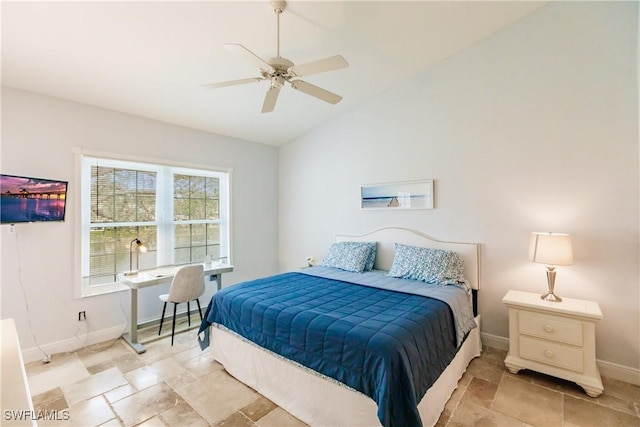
{"x": 132, "y": 337}
{"x": 219, "y": 281}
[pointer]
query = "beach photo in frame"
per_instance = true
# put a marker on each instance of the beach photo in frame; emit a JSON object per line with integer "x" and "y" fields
{"x": 397, "y": 195}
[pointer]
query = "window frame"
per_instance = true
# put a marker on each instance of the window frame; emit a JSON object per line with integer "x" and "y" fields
{"x": 164, "y": 220}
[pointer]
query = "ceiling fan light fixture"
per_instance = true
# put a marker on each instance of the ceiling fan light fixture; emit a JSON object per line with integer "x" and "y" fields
{"x": 277, "y": 81}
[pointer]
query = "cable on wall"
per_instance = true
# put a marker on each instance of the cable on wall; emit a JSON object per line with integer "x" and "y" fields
{"x": 47, "y": 357}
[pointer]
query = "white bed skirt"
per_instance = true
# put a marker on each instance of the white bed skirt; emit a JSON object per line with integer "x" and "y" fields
{"x": 319, "y": 402}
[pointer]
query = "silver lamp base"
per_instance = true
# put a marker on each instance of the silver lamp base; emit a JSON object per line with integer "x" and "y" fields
{"x": 551, "y": 280}
{"x": 131, "y": 273}
{"x": 551, "y": 297}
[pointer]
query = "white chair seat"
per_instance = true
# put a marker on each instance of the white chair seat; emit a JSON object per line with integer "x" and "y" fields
{"x": 186, "y": 286}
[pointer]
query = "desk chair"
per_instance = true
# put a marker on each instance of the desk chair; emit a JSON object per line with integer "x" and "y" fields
{"x": 187, "y": 285}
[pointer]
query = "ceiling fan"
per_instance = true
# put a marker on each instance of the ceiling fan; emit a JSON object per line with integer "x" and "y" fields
{"x": 279, "y": 70}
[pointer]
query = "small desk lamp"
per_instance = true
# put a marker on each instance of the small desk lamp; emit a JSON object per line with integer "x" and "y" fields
{"x": 552, "y": 249}
{"x": 141, "y": 248}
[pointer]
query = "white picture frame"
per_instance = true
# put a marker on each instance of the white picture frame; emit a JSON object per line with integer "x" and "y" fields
{"x": 397, "y": 195}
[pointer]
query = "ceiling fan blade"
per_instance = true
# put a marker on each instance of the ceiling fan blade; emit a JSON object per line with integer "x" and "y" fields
{"x": 255, "y": 59}
{"x": 270, "y": 99}
{"x": 316, "y": 91}
{"x": 234, "y": 82}
{"x": 319, "y": 66}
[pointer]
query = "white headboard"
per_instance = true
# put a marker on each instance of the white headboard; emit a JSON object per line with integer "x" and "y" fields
{"x": 386, "y": 237}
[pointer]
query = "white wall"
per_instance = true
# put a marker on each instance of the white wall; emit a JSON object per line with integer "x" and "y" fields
{"x": 532, "y": 129}
{"x": 38, "y": 135}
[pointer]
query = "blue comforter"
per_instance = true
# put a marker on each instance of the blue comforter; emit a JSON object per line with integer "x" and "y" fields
{"x": 391, "y": 346}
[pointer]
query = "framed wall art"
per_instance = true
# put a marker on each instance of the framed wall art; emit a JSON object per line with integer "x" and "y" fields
{"x": 397, "y": 195}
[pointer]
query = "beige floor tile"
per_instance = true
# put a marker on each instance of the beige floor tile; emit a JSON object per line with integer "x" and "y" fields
{"x": 99, "y": 383}
{"x": 57, "y": 360}
{"x": 152, "y": 422}
{"x": 579, "y": 412}
{"x": 190, "y": 353}
{"x": 57, "y": 404}
{"x": 57, "y": 420}
{"x": 258, "y": 408}
{"x": 279, "y": 418}
{"x": 481, "y": 392}
{"x": 621, "y": 389}
{"x": 217, "y": 395}
{"x": 103, "y": 352}
{"x": 486, "y": 369}
{"x": 91, "y": 412}
{"x": 444, "y": 418}
{"x": 154, "y": 373}
{"x": 237, "y": 419}
{"x": 47, "y": 396}
{"x": 617, "y": 404}
{"x": 558, "y": 384}
{"x": 202, "y": 365}
{"x": 457, "y": 396}
{"x": 68, "y": 371}
{"x": 469, "y": 414}
{"x": 180, "y": 380}
{"x": 530, "y": 403}
{"x": 145, "y": 404}
{"x": 183, "y": 415}
{"x": 119, "y": 393}
{"x": 494, "y": 355}
{"x": 128, "y": 362}
{"x": 112, "y": 423}
{"x": 161, "y": 349}
{"x": 94, "y": 369}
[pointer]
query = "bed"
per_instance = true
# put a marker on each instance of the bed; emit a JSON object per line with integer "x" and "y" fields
{"x": 303, "y": 339}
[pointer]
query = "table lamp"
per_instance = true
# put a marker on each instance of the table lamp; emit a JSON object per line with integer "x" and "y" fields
{"x": 552, "y": 249}
{"x": 140, "y": 248}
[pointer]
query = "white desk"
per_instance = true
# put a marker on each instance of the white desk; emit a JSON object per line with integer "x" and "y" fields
{"x": 159, "y": 276}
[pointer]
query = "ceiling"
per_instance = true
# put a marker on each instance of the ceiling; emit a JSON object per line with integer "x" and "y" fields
{"x": 151, "y": 59}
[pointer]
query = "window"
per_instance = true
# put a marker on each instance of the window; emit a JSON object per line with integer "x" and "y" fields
{"x": 179, "y": 214}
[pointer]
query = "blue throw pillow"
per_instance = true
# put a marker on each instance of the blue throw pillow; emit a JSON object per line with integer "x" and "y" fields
{"x": 351, "y": 256}
{"x": 427, "y": 264}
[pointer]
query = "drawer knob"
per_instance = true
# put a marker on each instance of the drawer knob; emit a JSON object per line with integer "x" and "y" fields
{"x": 549, "y": 353}
{"x": 548, "y": 328}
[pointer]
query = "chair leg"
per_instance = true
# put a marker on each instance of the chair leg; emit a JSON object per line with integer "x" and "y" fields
{"x": 199, "y": 309}
{"x": 173, "y": 326}
{"x": 162, "y": 318}
{"x": 188, "y": 313}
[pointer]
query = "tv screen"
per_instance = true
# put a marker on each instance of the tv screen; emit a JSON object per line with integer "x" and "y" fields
{"x": 24, "y": 199}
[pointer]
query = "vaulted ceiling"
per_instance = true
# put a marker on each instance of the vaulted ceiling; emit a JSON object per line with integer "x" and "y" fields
{"x": 152, "y": 59}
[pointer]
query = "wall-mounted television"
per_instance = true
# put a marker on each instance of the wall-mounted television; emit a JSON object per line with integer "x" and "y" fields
{"x": 25, "y": 199}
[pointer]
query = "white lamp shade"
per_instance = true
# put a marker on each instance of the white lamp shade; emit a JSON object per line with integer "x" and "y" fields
{"x": 551, "y": 248}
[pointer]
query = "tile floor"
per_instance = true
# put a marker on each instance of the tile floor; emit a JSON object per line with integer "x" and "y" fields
{"x": 108, "y": 384}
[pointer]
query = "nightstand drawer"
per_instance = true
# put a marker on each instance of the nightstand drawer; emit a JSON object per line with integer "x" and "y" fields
{"x": 550, "y": 327}
{"x": 551, "y": 353}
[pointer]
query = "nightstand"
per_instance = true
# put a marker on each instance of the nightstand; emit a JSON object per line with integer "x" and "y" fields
{"x": 555, "y": 338}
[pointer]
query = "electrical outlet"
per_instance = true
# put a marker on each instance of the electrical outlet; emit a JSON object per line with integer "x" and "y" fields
{"x": 82, "y": 315}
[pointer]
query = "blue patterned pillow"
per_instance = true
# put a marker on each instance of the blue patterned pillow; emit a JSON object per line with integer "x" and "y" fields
{"x": 427, "y": 264}
{"x": 371, "y": 247}
{"x": 351, "y": 256}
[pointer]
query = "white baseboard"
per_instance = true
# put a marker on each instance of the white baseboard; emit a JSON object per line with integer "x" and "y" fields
{"x": 34, "y": 353}
{"x": 619, "y": 372}
{"x": 607, "y": 369}
{"x": 495, "y": 341}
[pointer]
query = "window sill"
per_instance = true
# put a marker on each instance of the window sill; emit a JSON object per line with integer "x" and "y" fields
{"x": 104, "y": 289}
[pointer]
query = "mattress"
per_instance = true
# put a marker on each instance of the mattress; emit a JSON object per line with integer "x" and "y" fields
{"x": 389, "y": 345}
